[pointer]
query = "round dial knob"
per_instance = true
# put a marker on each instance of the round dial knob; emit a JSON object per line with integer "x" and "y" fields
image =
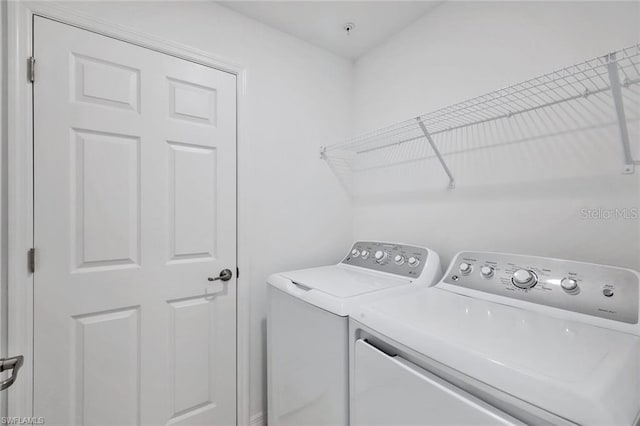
{"x": 365, "y": 254}
{"x": 486, "y": 271}
{"x": 465, "y": 268}
{"x": 399, "y": 259}
{"x": 524, "y": 278}
{"x": 380, "y": 256}
{"x": 569, "y": 284}
{"x": 413, "y": 261}
{"x": 355, "y": 252}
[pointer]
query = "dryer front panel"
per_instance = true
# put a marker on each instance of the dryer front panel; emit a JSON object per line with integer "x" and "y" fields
{"x": 391, "y": 391}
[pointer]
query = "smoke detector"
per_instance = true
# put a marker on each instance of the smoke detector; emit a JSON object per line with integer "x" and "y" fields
{"x": 349, "y": 27}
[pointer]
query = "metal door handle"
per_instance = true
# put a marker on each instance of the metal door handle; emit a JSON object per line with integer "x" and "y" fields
{"x": 13, "y": 364}
{"x": 225, "y": 275}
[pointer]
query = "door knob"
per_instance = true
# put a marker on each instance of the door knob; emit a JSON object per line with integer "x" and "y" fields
{"x": 12, "y": 364}
{"x": 225, "y": 275}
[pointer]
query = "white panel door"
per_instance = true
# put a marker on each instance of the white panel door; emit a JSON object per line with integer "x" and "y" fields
{"x": 135, "y": 207}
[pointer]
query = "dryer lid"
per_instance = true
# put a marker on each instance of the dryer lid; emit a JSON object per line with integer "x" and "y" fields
{"x": 584, "y": 373}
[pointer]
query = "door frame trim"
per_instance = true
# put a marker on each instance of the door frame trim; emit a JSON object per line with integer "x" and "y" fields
{"x": 20, "y": 185}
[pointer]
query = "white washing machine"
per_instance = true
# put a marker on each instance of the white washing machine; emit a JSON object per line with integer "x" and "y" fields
{"x": 502, "y": 339}
{"x": 307, "y": 326}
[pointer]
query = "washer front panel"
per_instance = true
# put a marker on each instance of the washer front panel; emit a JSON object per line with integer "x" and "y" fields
{"x": 602, "y": 291}
{"x": 387, "y": 264}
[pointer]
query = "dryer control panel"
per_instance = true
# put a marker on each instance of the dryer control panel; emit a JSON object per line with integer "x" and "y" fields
{"x": 598, "y": 290}
{"x": 399, "y": 259}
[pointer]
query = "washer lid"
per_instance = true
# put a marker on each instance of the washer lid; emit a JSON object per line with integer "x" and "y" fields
{"x": 343, "y": 281}
{"x": 337, "y": 288}
{"x": 584, "y": 373}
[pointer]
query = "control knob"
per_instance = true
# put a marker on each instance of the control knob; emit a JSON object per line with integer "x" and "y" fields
{"x": 365, "y": 254}
{"x": 523, "y": 278}
{"x": 465, "y": 268}
{"x": 486, "y": 271}
{"x": 381, "y": 256}
{"x": 398, "y": 259}
{"x": 569, "y": 285}
{"x": 413, "y": 261}
{"x": 355, "y": 252}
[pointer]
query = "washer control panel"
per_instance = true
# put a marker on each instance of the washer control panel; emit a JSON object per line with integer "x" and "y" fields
{"x": 597, "y": 290}
{"x": 392, "y": 258}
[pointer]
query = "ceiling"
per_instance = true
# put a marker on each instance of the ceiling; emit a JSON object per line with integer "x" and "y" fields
{"x": 322, "y": 22}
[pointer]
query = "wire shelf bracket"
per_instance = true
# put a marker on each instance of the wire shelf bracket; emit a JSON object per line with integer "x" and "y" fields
{"x": 452, "y": 181}
{"x": 616, "y": 91}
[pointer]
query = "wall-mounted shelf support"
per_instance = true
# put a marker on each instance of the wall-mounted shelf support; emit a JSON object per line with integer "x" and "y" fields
{"x": 452, "y": 182}
{"x": 616, "y": 90}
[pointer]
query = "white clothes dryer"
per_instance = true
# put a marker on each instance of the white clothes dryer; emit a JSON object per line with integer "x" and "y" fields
{"x": 501, "y": 339}
{"x": 307, "y": 326}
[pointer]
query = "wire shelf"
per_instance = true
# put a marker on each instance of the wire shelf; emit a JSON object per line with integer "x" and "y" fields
{"x": 601, "y": 80}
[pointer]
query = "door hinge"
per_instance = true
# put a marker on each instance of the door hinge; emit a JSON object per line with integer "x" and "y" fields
{"x": 237, "y": 272}
{"x": 31, "y": 69}
{"x": 31, "y": 260}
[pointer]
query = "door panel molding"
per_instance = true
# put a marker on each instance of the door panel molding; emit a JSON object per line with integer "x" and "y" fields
{"x": 20, "y": 184}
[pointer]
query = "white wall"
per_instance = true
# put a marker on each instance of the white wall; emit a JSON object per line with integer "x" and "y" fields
{"x": 297, "y": 97}
{"x": 507, "y": 198}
